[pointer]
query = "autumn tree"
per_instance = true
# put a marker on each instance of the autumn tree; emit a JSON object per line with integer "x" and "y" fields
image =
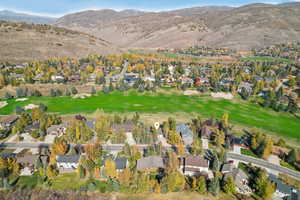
{"x": 124, "y": 177}
{"x": 267, "y": 148}
{"x": 52, "y": 171}
{"x": 60, "y": 146}
{"x": 175, "y": 181}
{"x": 110, "y": 168}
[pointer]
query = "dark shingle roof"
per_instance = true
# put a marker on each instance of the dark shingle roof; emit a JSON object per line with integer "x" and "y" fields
{"x": 196, "y": 161}
{"x": 67, "y": 158}
{"x": 150, "y": 162}
{"x": 121, "y": 163}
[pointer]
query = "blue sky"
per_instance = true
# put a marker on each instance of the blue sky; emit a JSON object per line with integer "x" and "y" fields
{"x": 61, "y": 7}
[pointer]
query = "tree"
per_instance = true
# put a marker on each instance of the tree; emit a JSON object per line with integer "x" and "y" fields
{"x": 201, "y": 185}
{"x": 229, "y": 186}
{"x": 291, "y": 157}
{"x": 74, "y": 91}
{"x": 60, "y": 146}
{"x": 80, "y": 171}
{"x": 214, "y": 186}
{"x": 110, "y": 168}
{"x": 225, "y": 122}
{"x": 181, "y": 149}
{"x": 93, "y": 91}
{"x": 269, "y": 190}
{"x": 52, "y": 171}
{"x": 93, "y": 151}
{"x": 219, "y": 138}
{"x": 8, "y": 95}
{"x": 124, "y": 177}
{"x": 267, "y": 148}
{"x": 175, "y": 181}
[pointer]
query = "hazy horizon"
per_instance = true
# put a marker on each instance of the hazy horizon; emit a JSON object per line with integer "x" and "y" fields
{"x": 56, "y": 9}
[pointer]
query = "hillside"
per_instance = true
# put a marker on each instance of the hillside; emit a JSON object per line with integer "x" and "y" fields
{"x": 22, "y": 42}
{"x": 6, "y": 15}
{"x": 246, "y": 27}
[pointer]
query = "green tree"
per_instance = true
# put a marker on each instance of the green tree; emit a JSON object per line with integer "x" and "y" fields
{"x": 214, "y": 186}
{"x": 201, "y": 186}
{"x": 229, "y": 186}
{"x": 291, "y": 157}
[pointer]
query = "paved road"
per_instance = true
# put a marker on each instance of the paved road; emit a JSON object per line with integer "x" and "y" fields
{"x": 263, "y": 164}
{"x": 106, "y": 147}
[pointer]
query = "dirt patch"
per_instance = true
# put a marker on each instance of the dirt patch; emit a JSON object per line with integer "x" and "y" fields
{"x": 222, "y": 95}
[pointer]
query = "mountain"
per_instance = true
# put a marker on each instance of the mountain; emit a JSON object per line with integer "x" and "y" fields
{"x": 22, "y": 42}
{"x": 246, "y": 27}
{"x": 6, "y": 15}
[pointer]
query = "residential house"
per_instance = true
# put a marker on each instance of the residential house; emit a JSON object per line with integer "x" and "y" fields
{"x": 125, "y": 127}
{"x": 227, "y": 168}
{"x": 284, "y": 191}
{"x": 150, "y": 163}
{"x": 58, "y": 78}
{"x": 131, "y": 78}
{"x": 245, "y": 85}
{"x": 241, "y": 180}
{"x": 27, "y": 163}
{"x": 32, "y": 127}
{"x": 280, "y": 151}
{"x": 193, "y": 165}
{"x": 57, "y": 130}
{"x": 185, "y": 133}
{"x": 67, "y": 161}
{"x": 121, "y": 164}
{"x": 8, "y": 122}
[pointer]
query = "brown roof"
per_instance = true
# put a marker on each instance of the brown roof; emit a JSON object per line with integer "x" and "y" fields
{"x": 277, "y": 150}
{"x": 127, "y": 126}
{"x": 27, "y": 159}
{"x": 196, "y": 161}
{"x": 10, "y": 119}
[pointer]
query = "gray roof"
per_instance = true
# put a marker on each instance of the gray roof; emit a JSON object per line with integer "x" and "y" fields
{"x": 238, "y": 176}
{"x": 150, "y": 162}
{"x": 227, "y": 167}
{"x": 68, "y": 158}
{"x": 120, "y": 163}
{"x": 185, "y": 132}
{"x": 91, "y": 124}
{"x": 293, "y": 193}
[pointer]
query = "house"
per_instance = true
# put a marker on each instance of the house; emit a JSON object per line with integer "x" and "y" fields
{"x": 121, "y": 164}
{"x": 150, "y": 163}
{"x": 58, "y": 78}
{"x": 32, "y": 127}
{"x": 27, "y": 163}
{"x": 185, "y": 133}
{"x": 67, "y": 161}
{"x": 8, "y": 122}
{"x": 240, "y": 141}
{"x": 280, "y": 151}
{"x": 193, "y": 165}
{"x": 130, "y": 78}
{"x": 241, "y": 180}
{"x": 91, "y": 124}
{"x": 245, "y": 85}
{"x": 284, "y": 191}
{"x": 57, "y": 130}
{"x": 125, "y": 127}
{"x": 7, "y": 155}
{"x": 227, "y": 168}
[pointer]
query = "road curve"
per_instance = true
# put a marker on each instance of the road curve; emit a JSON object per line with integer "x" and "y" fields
{"x": 264, "y": 164}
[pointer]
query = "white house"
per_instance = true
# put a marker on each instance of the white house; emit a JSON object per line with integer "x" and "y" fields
{"x": 67, "y": 161}
{"x": 193, "y": 165}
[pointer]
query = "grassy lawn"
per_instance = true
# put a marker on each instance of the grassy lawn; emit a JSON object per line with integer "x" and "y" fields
{"x": 268, "y": 59}
{"x": 241, "y": 113}
{"x": 248, "y": 152}
{"x": 68, "y": 181}
{"x": 28, "y": 181}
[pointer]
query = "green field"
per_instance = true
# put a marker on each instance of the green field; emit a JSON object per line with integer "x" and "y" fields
{"x": 241, "y": 113}
{"x": 268, "y": 59}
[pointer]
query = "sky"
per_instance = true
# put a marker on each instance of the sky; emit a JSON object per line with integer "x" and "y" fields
{"x": 57, "y": 8}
